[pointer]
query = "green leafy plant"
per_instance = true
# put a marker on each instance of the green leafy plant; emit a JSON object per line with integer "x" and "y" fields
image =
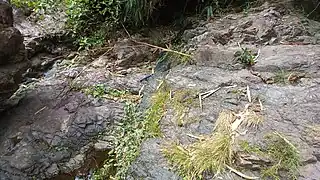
{"x": 38, "y": 6}
{"x": 87, "y": 17}
{"x": 245, "y": 57}
{"x": 128, "y": 136}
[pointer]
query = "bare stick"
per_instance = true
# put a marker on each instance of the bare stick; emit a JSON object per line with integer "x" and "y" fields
{"x": 241, "y": 174}
{"x": 286, "y": 140}
{"x": 200, "y": 101}
{"x": 140, "y": 91}
{"x": 261, "y": 106}
{"x": 125, "y": 29}
{"x": 196, "y": 137}
{"x": 249, "y": 94}
{"x": 164, "y": 49}
{"x": 257, "y": 56}
{"x": 209, "y": 93}
{"x": 40, "y": 110}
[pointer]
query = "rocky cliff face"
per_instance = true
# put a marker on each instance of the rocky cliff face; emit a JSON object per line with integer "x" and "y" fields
{"x": 13, "y": 61}
{"x": 58, "y": 126}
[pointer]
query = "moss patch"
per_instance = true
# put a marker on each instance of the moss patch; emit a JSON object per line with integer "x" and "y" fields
{"x": 183, "y": 100}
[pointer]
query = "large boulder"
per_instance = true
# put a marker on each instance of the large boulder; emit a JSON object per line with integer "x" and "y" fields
{"x": 13, "y": 61}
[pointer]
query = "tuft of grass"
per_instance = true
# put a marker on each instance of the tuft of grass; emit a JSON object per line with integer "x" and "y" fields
{"x": 281, "y": 77}
{"x": 212, "y": 154}
{"x": 252, "y": 119}
{"x": 286, "y": 155}
{"x": 248, "y": 148}
{"x": 102, "y": 91}
{"x": 182, "y": 101}
{"x": 157, "y": 109}
{"x": 128, "y": 136}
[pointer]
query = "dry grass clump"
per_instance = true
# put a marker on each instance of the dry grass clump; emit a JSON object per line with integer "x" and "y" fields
{"x": 211, "y": 154}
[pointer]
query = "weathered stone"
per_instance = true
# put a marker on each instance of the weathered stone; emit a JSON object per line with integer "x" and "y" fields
{"x": 13, "y": 62}
{"x": 102, "y": 146}
{"x": 6, "y": 16}
{"x": 289, "y": 108}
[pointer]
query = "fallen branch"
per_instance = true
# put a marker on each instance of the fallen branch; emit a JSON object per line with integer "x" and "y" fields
{"x": 140, "y": 91}
{"x": 154, "y": 46}
{"x": 164, "y": 49}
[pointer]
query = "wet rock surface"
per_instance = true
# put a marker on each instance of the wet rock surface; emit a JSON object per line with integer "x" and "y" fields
{"x": 290, "y": 106}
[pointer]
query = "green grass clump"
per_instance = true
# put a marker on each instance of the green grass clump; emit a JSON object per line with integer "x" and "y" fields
{"x": 281, "y": 77}
{"x": 182, "y": 101}
{"x": 284, "y": 153}
{"x": 157, "y": 109}
{"x": 128, "y": 136}
{"x": 211, "y": 154}
{"x": 248, "y": 148}
{"x": 100, "y": 90}
{"x": 252, "y": 119}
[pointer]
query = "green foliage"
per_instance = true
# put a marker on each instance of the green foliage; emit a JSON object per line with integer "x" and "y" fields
{"x": 138, "y": 12}
{"x": 182, "y": 101}
{"x": 248, "y": 148}
{"x": 210, "y": 155}
{"x": 38, "y": 6}
{"x": 281, "y": 77}
{"x": 286, "y": 155}
{"x": 245, "y": 57}
{"x": 128, "y": 136}
{"x": 157, "y": 109}
{"x": 100, "y": 90}
{"x": 97, "y": 39}
{"x": 88, "y": 16}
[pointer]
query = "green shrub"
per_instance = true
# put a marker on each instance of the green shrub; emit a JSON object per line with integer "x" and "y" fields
{"x": 38, "y": 6}
{"x": 88, "y": 16}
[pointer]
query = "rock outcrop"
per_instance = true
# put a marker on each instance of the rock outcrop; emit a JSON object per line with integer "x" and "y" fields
{"x": 285, "y": 78}
{"x": 13, "y": 62}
